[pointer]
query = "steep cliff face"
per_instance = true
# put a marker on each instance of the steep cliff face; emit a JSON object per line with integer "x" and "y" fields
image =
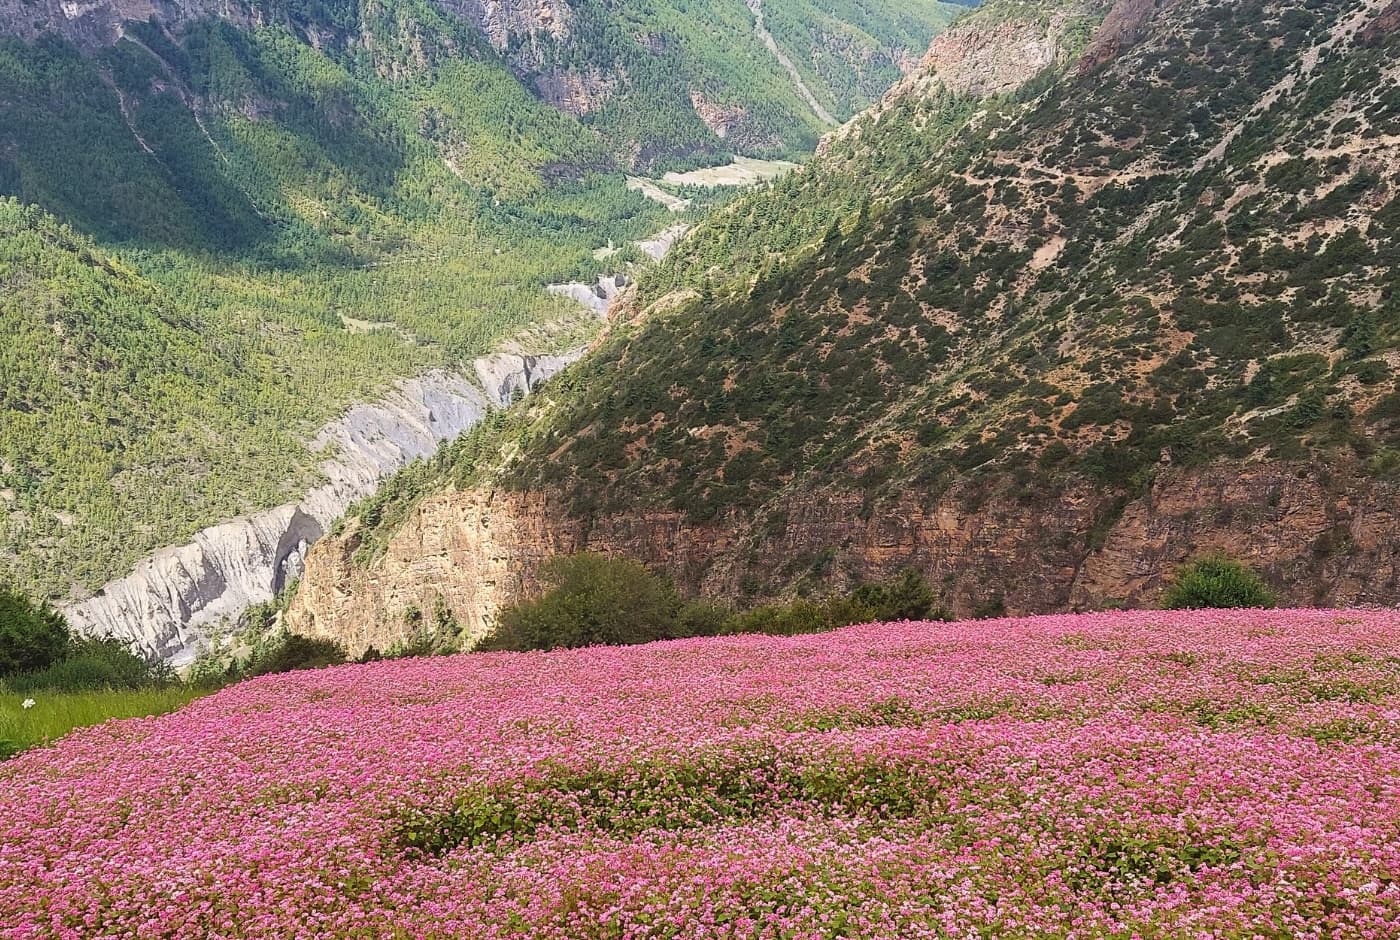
{"x": 479, "y": 549}
{"x": 508, "y": 23}
{"x": 1320, "y": 535}
{"x": 599, "y": 295}
{"x": 167, "y": 604}
{"x": 993, "y": 51}
{"x": 1004, "y": 52}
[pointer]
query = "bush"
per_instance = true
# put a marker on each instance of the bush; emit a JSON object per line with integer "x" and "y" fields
{"x": 91, "y": 664}
{"x": 33, "y": 636}
{"x": 701, "y": 618}
{"x": 1216, "y": 581}
{"x": 595, "y": 600}
{"x": 790, "y": 619}
{"x": 293, "y": 652}
{"x": 907, "y": 597}
{"x": 441, "y": 636}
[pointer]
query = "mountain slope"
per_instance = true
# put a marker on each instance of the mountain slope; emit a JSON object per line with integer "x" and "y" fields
{"x": 1094, "y": 275}
{"x": 280, "y": 208}
{"x": 1138, "y": 303}
{"x": 207, "y": 119}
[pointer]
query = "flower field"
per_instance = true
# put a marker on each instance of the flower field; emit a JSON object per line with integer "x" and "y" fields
{"x": 1136, "y": 775}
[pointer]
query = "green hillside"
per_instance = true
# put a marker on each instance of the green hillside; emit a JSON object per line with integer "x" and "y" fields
{"x": 216, "y": 137}
{"x": 271, "y": 269}
{"x": 1080, "y": 281}
{"x": 275, "y": 213}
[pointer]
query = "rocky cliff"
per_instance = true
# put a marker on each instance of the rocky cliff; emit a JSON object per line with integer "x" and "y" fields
{"x": 1320, "y": 535}
{"x": 167, "y": 604}
{"x": 996, "y": 50}
{"x": 1002, "y": 53}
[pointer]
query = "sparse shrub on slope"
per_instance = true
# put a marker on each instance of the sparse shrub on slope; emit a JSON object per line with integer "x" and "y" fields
{"x": 1216, "y": 581}
{"x": 297, "y": 652}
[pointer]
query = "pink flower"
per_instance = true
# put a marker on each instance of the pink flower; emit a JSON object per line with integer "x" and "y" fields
{"x": 1111, "y": 775}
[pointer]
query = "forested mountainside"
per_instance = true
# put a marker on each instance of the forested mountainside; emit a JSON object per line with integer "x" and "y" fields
{"x": 1089, "y": 281}
{"x": 229, "y": 221}
{"x": 221, "y": 110}
{"x": 1132, "y": 299}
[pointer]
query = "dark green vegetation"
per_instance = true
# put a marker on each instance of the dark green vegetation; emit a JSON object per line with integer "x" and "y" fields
{"x": 32, "y": 634}
{"x": 88, "y": 664}
{"x": 264, "y": 223}
{"x": 593, "y": 600}
{"x": 1072, "y": 284}
{"x": 39, "y": 652}
{"x": 1217, "y": 582}
{"x": 259, "y": 645}
{"x": 674, "y": 797}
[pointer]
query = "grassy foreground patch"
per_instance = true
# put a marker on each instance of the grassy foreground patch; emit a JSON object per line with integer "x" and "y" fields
{"x": 55, "y": 714}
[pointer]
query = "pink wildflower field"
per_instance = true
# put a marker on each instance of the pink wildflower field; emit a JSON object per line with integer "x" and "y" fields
{"x": 1135, "y": 775}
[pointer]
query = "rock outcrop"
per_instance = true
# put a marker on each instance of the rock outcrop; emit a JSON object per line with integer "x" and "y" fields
{"x": 511, "y": 24}
{"x": 1319, "y": 535}
{"x": 597, "y": 296}
{"x": 1122, "y": 27}
{"x": 1323, "y": 535}
{"x": 659, "y": 245}
{"x": 992, "y": 53}
{"x": 722, "y": 119}
{"x": 995, "y": 58}
{"x": 1382, "y": 26}
{"x": 575, "y": 92}
{"x": 167, "y": 604}
{"x": 164, "y": 605}
{"x": 509, "y": 376}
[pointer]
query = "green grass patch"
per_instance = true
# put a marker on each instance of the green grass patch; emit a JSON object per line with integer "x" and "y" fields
{"x": 55, "y": 714}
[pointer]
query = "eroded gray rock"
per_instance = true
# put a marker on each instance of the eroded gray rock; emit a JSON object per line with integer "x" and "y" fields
{"x": 598, "y": 296}
{"x": 166, "y": 606}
